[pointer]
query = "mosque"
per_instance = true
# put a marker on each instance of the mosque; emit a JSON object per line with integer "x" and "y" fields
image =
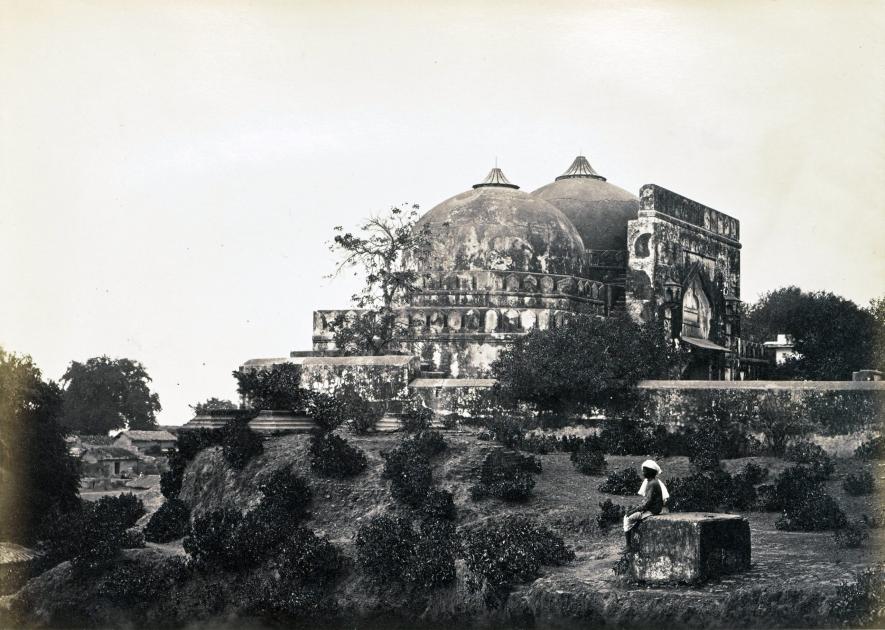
{"x": 503, "y": 262}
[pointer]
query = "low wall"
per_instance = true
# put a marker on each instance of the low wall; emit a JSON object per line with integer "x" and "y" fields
{"x": 839, "y": 414}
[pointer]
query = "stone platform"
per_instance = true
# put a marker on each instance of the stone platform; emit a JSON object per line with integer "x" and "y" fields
{"x": 689, "y": 547}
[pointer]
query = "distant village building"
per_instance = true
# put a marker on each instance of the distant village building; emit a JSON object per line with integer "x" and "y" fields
{"x": 108, "y": 461}
{"x": 782, "y": 349}
{"x": 143, "y": 441}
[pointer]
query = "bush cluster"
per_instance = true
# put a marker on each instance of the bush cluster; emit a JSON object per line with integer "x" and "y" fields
{"x": 416, "y": 416}
{"x": 346, "y": 406}
{"x": 625, "y": 482}
{"x": 852, "y": 535}
{"x": 609, "y": 514}
{"x": 240, "y": 443}
{"x": 874, "y": 448}
{"x": 508, "y": 551}
{"x": 861, "y": 603}
{"x": 804, "y": 501}
{"x": 408, "y": 466}
{"x": 332, "y": 456}
{"x": 860, "y": 484}
{"x": 506, "y": 475}
{"x": 231, "y": 540}
{"x": 819, "y": 464}
{"x": 588, "y": 461}
{"x": 138, "y": 585}
{"x": 439, "y": 505}
{"x": 714, "y": 489}
{"x": 297, "y": 583}
{"x": 389, "y": 550}
{"x": 170, "y": 522}
{"x": 93, "y": 535}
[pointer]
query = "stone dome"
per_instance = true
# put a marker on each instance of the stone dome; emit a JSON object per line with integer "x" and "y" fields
{"x": 598, "y": 210}
{"x": 498, "y": 227}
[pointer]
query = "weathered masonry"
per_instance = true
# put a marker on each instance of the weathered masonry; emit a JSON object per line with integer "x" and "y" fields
{"x": 504, "y": 262}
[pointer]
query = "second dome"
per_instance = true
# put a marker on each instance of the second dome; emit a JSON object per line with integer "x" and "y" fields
{"x": 599, "y": 210}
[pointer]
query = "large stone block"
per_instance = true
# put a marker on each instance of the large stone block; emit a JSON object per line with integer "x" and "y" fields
{"x": 689, "y": 547}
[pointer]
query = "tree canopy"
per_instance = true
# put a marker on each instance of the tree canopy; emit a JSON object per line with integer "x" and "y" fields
{"x": 380, "y": 250}
{"x": 833, "y": 336}
{"x": 37, "y": 474}
{"x": 275, "y": 388}
{"x": 212, "y": 404}
{"x": 104, "y": 394}
{"x": 587, "y": 363}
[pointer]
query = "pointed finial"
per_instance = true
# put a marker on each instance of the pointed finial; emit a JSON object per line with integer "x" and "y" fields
{"x": 496, "y": 177}
{"x": 580, "y": 168}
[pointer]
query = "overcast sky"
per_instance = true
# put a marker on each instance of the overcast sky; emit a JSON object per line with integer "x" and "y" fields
{"x": 171, "y": 171}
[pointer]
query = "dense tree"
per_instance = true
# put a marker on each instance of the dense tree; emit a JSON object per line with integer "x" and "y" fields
{"x": 877, "y": 312}
{"x": 37, "y": 474}
{"x": 104, "y": 394}
{"x": 586, "y": 363}
{"x": 277, "y": 387}
{"x": 385, "y": 250}
{"x": 212, "y": 404}
{"x": 833, "y": 336}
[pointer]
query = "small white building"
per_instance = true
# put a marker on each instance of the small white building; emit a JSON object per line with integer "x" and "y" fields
{"x": 783, "y": 348}
{"x": 143, "y": 441}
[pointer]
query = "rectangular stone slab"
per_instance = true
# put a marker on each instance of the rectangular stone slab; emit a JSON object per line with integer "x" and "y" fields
{"x": 689, "y": 547}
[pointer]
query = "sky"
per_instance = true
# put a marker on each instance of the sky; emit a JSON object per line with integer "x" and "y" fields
{"x": 171, "y": 171}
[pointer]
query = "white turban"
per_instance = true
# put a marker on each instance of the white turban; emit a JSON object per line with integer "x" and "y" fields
{"x": 652, "y": 465}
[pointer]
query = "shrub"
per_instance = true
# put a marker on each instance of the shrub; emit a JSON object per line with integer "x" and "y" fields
{"x": 588, "y": 462}
{"x": 508, "y": 551}
{"x": 506, "y": 430}
{"x": 138, "y": 585}
{"x": 305, "y": 558}
{"x": 698, "y": 492}
{"x": 754, "y": 473}
{"x": 416, "y": 417}
{"x": 811, "y": 510}
{"x": 170, "y": 480}
{"x": 874, "y": 448}
{"x": 539, "y": 444}
{"x": 332, "y": 456}
{"x": 91, "y": 536}
{"x": 390, "y": 551}
{"x": 170, "y": 522}
{"x": 408, "y": 469}
{"x": 345, "y": 406}
{"x": 229, "y": 540}
{"x": 428, "y": 442}
{"x": 609, "y": 514}
{"x": 852, "y": 535}
{"x": 384, "y": 547}
{"x": 862, "y": 603}
{"x": 818, "y": 462}
{"x": 625, "y": 481}
{"x": 286, "y": 490}
{"x": 506, "y": 475}
{"x": 439, "y": 505}
{"x": 860, "y": 484}
{"x": 629, "y": 436}
{"x": 240, "y": 444}
{"x": 192, "y": 441}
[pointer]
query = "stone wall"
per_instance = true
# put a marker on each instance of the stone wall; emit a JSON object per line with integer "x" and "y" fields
{"x": 684, "y": 268}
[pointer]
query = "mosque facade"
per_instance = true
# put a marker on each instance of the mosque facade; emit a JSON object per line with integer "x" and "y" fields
{"x": 504, "y": 262}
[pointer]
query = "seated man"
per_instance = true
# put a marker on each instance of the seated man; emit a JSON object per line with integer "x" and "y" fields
{"x": 655, "y": 493}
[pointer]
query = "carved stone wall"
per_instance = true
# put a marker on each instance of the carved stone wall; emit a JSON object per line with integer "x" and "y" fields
{"x": 682, "y": 250}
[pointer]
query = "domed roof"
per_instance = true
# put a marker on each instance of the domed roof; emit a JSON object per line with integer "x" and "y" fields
{"x": 496, "y": 226}
{"x": 599, "y": 210}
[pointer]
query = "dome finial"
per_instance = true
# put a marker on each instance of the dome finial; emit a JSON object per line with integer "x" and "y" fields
{"x": 496, "y": 177}
{"x": 580, "y": 168}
